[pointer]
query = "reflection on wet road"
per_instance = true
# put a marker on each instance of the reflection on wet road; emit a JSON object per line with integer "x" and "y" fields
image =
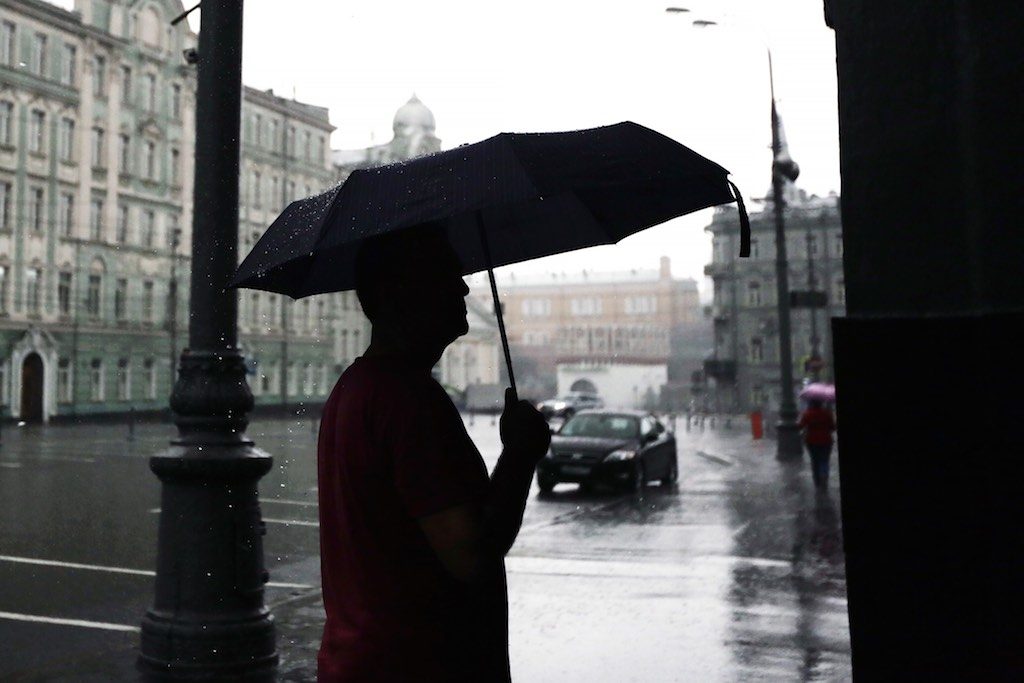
{"x": 735, "y": 574}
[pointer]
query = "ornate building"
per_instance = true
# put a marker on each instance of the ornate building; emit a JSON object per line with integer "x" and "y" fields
{"x": 614, "y": 332}
{"x": 471, "y": 359}
{"x": 743, "y": 370}
{"x": 97, "y": 119}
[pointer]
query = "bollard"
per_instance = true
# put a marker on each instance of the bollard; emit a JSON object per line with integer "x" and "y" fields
{"x": 131, "y": 423}
{"x": 757, "y": 425}
{"x": 712, "y": 421}
{"x": 471, "y": 418}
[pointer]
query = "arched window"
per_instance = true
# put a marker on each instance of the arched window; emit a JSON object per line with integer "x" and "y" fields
{"x": 150, "y": 27}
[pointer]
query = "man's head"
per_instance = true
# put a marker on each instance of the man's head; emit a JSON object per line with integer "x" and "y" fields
{"x": 410, "y": 285}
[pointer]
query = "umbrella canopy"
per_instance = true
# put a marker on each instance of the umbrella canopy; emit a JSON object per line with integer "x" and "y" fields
{"x": 537, "y": 193}
{"x": 510, "y": 198}
{"x": 819, "y": 391}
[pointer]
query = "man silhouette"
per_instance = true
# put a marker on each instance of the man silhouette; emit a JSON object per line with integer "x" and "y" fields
{"x": 413, "y": 532}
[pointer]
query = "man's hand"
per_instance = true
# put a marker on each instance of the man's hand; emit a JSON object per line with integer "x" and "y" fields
{"x": 523, "y": 429}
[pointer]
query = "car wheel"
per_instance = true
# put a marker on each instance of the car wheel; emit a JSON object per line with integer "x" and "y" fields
{"x": 639, "y": 478}
{"x": 672, "y": 476}
{"x": 546, "y": 484}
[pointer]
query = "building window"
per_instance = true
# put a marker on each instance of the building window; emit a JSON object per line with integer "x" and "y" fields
{"x": 37, "y": 55}
{"x": 126, "y": 85}
{"x": 96, "y": 220}
{"x": 254, "y": 309}
{"x": 837, "y": 245}
{"x": 812, "y": 245}
{"x": 7, "y": 48}
{"x": 122, "y": 223}
{"x": 321, "y": 150}
{"x": 124, "y": 379}
{"x": 586, "y": 306}
{"x": 757, "y": 395}
{"x": 149, "y": 94}
{"x": 6, "y": 122}
{"x": 67, "y": 65}
{"x": 307, "y": 145}
{"x": 273, "y": 135}
{"x": 176, "y": 101}
{"x": 3, "y": 290}
{"x": 290, "y": 142}
{"x": 150, "y": 160}
{"x": 147, "y": 301}
{"x": 64, "y": 380}
{"x": 839, "y": 293}
{"x": 173, "y": 232}
{"x": 293, "y": 380}
{"x": 64, "y": 293}
{"x": 307, "y": 379}
{"x": 148, "y": 228}
{"x": 640, "y": 305}
{"x": 755, "y": 248}
{"x": 754, "y": 293}
{"x": 257, "y": 132}
{"x": 121, "y": 300}
{"x": 257, "y": 199}
{"x": 99, "y": 78}
{"x": 536, "y": 307}
{"x": 756, "y": 350}
{"x": 5, "y": 205}
{"x": 36, "y": 130}
{"x": 36, "y": 208}
{"x": 92, "y": 295}
{"x": 175, "y": 167}
{"x": 67, "y": 139}
{"x": 33, "y": 277}
{"x": 149, "y": 366}
{"x": 124, "y": 165}
{"x": 97, "y": 148}
{"x": 66, "y": 213}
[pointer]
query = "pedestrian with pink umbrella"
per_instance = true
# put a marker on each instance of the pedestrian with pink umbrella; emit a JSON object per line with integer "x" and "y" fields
{"x": 817, "y": 424}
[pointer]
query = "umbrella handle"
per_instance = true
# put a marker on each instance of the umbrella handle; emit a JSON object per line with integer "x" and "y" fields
{"x": 497, "y": 302}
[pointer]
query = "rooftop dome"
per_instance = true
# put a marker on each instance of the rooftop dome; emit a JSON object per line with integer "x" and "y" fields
{"x": 413, "y": 114}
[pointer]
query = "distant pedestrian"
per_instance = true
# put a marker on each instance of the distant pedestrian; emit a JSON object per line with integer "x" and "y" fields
{"x": 817, "y": 424}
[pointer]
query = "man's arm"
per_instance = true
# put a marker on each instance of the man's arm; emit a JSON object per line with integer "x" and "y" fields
{"x": 467, "y": 537}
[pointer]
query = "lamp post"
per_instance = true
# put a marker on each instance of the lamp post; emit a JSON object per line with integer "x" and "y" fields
{"x": 208, "y": 620}
{"x": 783, "y": 168}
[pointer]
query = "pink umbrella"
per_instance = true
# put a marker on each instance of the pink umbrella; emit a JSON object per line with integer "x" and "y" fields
{"x": 819, "y": 391}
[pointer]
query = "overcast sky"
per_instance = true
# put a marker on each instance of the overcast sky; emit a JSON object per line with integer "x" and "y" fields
{"x": 540, "y": 65}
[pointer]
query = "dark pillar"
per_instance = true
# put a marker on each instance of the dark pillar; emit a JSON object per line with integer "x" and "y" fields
{"x": 927, "y": 359}
{"x": 208, "y": 619}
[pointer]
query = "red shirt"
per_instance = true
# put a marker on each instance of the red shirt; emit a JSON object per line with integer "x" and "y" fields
{"x": 393, "y": 448}
{"x": 818, "y": 425}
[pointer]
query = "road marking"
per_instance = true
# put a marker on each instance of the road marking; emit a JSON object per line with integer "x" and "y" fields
{"x": 69, "y": 622}
{"x": 271, "y": 520}
{"x": 716, "y": 458}
{"x": 117, "y": 570}
{"x": 10, "y": 465}
{"x": 284, "y": 501}
{"x": 297, "y": 522}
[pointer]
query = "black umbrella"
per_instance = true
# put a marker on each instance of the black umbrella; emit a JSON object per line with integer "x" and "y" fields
{"x": 510, "y": 198}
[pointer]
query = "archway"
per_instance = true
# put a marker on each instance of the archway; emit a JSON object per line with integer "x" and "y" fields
{"x": 584, "y": 385}
{"x": 32, "y": 388}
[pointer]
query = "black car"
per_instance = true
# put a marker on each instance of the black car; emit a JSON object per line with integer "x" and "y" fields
{"x": 566, "y": 406}
{"x": 622, "y": 448}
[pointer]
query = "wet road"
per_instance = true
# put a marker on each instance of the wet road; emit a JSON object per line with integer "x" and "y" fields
{"x": 736, "y": 574}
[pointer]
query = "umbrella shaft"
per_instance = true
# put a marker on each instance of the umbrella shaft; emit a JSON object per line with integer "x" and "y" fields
{"x": 497, "y": 302}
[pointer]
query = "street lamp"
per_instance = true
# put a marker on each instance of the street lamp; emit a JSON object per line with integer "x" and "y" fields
{"x": 783, "y": 168}
{"x": 208, "y": 620}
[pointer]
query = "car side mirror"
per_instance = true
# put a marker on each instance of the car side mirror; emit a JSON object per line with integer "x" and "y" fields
{"x": 649, "y": 437}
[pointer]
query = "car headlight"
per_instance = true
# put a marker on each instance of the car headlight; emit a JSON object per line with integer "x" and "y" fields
{"x": 618, "y": 456}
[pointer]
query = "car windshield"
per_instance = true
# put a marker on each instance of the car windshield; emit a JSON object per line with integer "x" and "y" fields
{"x": 602, "y": 426}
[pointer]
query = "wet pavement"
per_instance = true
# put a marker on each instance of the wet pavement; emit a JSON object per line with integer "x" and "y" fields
{"x": 735, "y": 574}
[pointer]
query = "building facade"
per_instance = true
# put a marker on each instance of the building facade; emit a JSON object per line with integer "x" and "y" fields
{"x": 588, "y": 323}
{"x": 743, "y": 369}
{"x": 97, "y": 121}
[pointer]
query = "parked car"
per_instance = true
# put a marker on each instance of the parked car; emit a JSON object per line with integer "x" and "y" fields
{"x": 568, "y": 405}
{"x": 620, "y": 448}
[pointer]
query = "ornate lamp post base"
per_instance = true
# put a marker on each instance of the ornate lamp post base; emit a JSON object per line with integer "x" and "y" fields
{"x": 789, "y": 445}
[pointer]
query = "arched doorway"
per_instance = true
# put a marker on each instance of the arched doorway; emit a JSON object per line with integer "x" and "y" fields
{"x": 584, "y": 385}
{"x": 32, "y": 388}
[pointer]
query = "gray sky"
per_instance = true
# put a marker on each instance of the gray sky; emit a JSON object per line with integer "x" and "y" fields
{"x": 538, "y": 65}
